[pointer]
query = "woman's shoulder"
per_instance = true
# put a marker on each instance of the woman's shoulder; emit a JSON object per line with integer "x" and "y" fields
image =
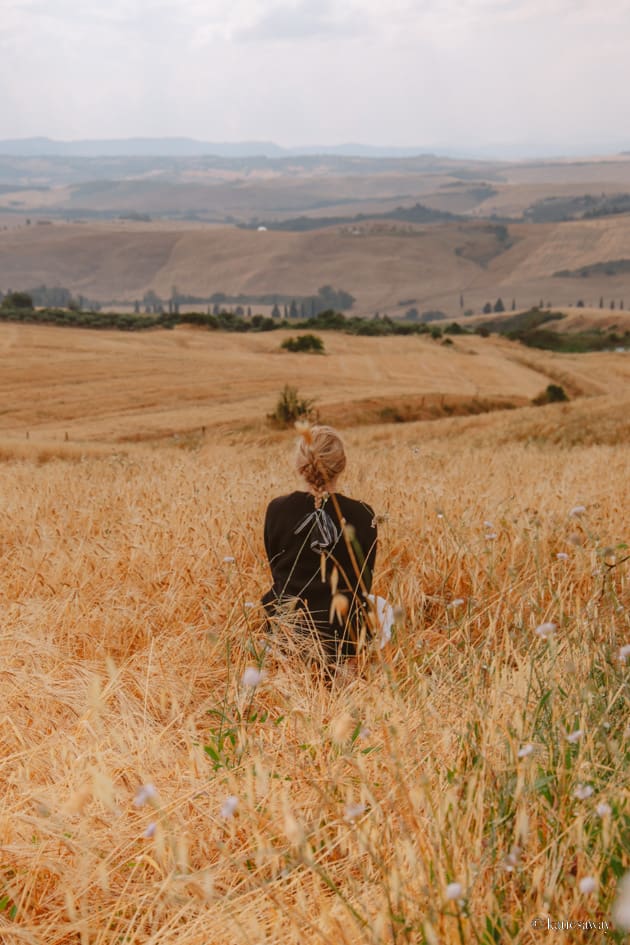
{"x": 289, "y": 500}
{"x": 355, "y": 507}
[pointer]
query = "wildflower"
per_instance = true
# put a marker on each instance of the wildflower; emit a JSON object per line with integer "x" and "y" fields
{"x": 440, "y": 515}
{"x": 454, "y": 891}
{"x": 624, "y": 653}
{"x": 491, "y": 536}
{"x": 525, "y": 751}
{"x": 621, "y": 905}
{"x": 588, "y": 885}
{"x": 228, "y": 559}
{"x": 510, "y": 861}
{"x": 252, "y": 677}
{"x": 583, "y": 791}
{"x": 150, "y": 831}
{"x": 603, "y": 809}
{"x": 146, "y": 792}
{"x": 562, "y": 556}
{"x": 457, "y": 602}
{"x": 488, "y": 525}
{"x": 228, "y": 807}
{"x": 249, "y": 604}
{"x": 545, "y": 630}
{"x": 577, "y": 510}
{"x": 352, "y": 811}
{"x": 575, "y": 736}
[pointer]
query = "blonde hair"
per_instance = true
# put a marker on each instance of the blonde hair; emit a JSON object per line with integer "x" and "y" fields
{"x": 320, "y": 458}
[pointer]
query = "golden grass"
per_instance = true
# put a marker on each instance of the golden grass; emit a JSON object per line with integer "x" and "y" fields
{"x": 112, "y": 387}
{"x": 126, "y": 632}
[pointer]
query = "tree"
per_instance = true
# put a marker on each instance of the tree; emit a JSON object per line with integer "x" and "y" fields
{"x": 499, "y": 306}
{"x": 275, "y": 311}
{"x": 21, "y": 300}
{"x": 487, "y": 309}
{"x": 461, "y": 300}
{"x": 293, "y": 311}
{"x": 513, "y": 305}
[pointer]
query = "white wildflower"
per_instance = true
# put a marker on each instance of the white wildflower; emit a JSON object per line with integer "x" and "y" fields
{"x": 545, "y": 630}
{"x": 577, "y": 510}
{"x": 228, "y": 807}
{"x": 491, "y": 536}
{"x": 146, "y": 792}
{"x": 249, "y": 604}
{"x": 562, "y": 556}
{"x": 440, "y": 515}
{"x": 352, "y": 811}
{"x": 454, "y": 891}
{"x": 525, "y": 751}
{"x": 624, "y": 653}
{"x": 457, "y": 602}
{"x": 588, "y": 885}
{"x": 510, "y": 861}
{"x": 252, "y": 677}
{"x": 150, "y": 831}
{"x": 621, "y": 905}
{"x": 583, "y": 791}
{"x": 603, "y": 809}
{"x": 228, "y": 559}
{"x": 575, "y": 736}
{"x": 489, "y": 525}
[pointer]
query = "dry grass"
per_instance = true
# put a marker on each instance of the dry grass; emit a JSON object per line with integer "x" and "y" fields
{"x": 117, "y": 388}
{"x": 126, "y": 632}
{"x": 381, "y": 264}
{"x": 127, "y": 580}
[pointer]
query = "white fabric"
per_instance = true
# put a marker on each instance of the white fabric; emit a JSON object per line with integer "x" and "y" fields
{"x": 385, "y": 614}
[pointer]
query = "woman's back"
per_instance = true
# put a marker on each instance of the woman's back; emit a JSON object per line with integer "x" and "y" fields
{"x": 321, "y": 547}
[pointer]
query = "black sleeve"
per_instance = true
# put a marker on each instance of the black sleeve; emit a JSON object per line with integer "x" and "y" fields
{"x": 267, "y": 532}
{"x": 371, "y": 541}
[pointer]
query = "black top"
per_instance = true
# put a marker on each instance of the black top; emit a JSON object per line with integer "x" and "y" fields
{"x": 296, "y": 535}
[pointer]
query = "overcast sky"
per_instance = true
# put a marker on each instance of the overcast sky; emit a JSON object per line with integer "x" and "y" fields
{"x": 544, "y": 76}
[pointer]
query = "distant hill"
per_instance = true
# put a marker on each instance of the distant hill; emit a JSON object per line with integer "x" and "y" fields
{"x": 186, "y": 147}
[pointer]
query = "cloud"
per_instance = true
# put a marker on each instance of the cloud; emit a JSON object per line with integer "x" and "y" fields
{"x": 304, "y": 21}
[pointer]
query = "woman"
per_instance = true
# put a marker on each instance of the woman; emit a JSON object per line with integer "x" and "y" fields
{"x": 321, "y": 547}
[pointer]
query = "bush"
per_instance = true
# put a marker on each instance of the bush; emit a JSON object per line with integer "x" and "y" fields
{"x": 553, "y": 394}
{"x": 21, "y": 300}
{"x": 291, "y": 407}
{"x": 304, "y": 343}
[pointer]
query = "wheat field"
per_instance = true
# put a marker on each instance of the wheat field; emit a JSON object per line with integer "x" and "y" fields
{"x": 472, "y": 778}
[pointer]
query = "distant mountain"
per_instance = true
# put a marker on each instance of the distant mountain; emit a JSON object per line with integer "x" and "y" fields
{"x": 186, "y": 147}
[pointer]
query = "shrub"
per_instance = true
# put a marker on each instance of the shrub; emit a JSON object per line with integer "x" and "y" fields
{"x": 304, "y": 343}
{"x": 291, "y": 407}
{"x": 553, "y": 394}
{"x": 20, "y": 300}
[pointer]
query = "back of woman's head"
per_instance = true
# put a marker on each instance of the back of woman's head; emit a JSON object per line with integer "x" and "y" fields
{"x": 321, "y": 457}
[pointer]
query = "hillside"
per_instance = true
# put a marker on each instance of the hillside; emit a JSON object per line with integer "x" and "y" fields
{"x": 386, "y": 265}
{"x": 103, "y": 389}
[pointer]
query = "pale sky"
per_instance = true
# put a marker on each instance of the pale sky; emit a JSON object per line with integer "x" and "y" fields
{"x": 542, "y": 76}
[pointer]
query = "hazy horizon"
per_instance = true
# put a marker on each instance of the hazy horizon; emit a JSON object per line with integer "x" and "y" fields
{"x": 189, "y": 146}
{"x": 493, "y": 78}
